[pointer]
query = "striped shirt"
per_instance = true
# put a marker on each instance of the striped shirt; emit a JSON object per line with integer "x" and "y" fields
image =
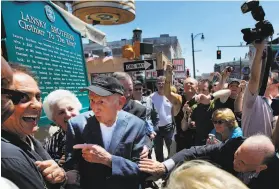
{"x": 55, "y": 145}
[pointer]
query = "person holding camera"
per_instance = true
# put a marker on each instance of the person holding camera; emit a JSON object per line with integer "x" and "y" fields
{"x": 233, "y": 85}
{"x": 225, "y": 126}
{"x": 215, "y": 78}
{"x": 258, "y": 114}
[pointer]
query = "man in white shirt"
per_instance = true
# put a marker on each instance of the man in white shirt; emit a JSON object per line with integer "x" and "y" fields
{"x": 165, "y": 126}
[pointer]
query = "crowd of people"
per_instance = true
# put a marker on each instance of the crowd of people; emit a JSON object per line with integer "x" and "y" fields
{"x": 225, "y": 131}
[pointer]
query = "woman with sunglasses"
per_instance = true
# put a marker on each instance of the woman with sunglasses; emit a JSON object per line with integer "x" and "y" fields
{"x": 225, "y": 126}
{"x": 60, "y": 106}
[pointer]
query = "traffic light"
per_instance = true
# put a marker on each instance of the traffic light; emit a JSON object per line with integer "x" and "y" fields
{"x": 128, "y": 52}
{"x": 218, "y": 54}
{"x": 187, "y": 73}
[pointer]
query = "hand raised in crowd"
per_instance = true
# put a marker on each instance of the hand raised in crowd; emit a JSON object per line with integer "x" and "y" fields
{"x": 217, "y": 74}
{"x": 144, "y": 152}
{"x": 226, "y": 73}
{"x": 51, "y": 171}
{"x": 242, "y": 85}
{"x": 152, "y": 167}
{"x": 168, "y": 72}
{"x": 94, "y": 154}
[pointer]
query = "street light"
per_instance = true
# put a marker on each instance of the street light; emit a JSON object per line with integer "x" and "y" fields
{"x": 193, "y": 50}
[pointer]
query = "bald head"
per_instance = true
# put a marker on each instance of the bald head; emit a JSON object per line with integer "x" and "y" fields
{"x": 259, "y": 145}
{"x": 190, "y": 86}
{"x": 254, "y": 154}
{"x": 192, "y": 80}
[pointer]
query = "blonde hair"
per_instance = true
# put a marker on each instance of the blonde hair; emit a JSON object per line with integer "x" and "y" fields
{"x": 225, "y": 114}
{"x": 199, "y": 174}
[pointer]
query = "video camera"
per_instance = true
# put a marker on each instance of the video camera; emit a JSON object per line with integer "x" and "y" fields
{"x": 263, "y": 27}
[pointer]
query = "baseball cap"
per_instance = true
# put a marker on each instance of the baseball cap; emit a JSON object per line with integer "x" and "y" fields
{"x": 137, "y": 82}
{"x": 234, "y": 80}
{"x": 105, "y": 86}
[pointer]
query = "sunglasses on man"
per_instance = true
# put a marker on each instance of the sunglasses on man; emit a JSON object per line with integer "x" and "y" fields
{"x": 16, "y": 96}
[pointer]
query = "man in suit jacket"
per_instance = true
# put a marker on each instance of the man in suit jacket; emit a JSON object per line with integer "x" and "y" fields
{"x": 252, "y": 160}
{"x": 107, "y": 146}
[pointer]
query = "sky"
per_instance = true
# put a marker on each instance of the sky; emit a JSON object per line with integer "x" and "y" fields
{"x": 219, "y": 21}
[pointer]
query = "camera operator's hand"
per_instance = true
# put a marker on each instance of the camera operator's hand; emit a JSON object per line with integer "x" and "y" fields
{"x": 260, "y": 46}
{"x": 168, "y": 73}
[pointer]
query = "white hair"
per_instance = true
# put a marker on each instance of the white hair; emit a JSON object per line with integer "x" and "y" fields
{"x": 201, "y": 174}
{"x": 55, "y": 96}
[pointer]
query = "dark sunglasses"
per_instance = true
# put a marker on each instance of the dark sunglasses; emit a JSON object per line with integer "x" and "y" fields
{"x": 218, "y": 121}
{"x": 16, "y": 96}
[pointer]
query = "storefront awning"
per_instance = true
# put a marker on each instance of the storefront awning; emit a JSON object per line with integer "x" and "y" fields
{"x": 85, "y": 29}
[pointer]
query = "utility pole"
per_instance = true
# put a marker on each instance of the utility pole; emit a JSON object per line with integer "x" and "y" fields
{"x": 193, "y": 55}
{"x": 193, "y": 51}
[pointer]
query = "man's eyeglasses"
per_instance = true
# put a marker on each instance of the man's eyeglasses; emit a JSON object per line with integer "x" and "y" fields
{"x": 15, "y": 96}
{"x": 138, "y": 89}
{"x": 218, "y": 121}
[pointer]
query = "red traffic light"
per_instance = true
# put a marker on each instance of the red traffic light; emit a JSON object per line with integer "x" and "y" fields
{"x": 218, "y": 54}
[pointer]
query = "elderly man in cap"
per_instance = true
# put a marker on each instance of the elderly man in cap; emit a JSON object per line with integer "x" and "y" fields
{"x": 106, "y": 144}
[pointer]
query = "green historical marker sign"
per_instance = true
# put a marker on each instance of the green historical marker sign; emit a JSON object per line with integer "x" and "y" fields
{"x": 38, "y": 36}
